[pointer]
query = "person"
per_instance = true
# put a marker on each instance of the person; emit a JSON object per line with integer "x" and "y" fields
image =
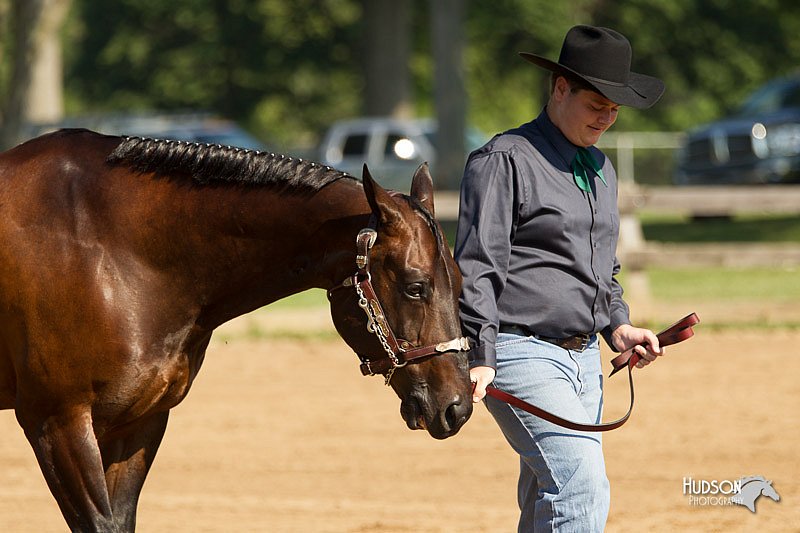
{"x": 536, "y": 244}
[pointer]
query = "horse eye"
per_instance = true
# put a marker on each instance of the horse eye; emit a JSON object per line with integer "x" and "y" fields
{"x": 415, "y": 290}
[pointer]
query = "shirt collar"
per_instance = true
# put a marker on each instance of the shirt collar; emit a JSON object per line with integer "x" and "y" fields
{"x": 560, "y": 143}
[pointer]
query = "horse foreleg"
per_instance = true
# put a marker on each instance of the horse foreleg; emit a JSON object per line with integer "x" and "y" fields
{"x": 68, "y": 454}
{"x": 127, "y": 461}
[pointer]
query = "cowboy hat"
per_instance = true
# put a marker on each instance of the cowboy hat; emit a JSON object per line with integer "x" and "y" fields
{"x": 602, "y": 58}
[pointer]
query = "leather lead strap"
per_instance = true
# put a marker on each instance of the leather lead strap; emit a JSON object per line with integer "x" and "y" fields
{"x": 677, "y": 332}
{"x": 555, "y": 419}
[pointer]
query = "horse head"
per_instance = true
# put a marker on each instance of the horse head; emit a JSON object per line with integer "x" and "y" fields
{"x": 751, "y": 488}
{"x": 769, "y": 491}
{"x": 416, "y": 286}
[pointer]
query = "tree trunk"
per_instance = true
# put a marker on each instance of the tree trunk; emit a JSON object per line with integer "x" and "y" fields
{"x": 450, "y": 96}
{"x": 35, "y": 90}
{"x": 386, "y": 58}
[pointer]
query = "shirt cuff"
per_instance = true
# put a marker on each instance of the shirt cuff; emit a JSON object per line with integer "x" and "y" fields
{"x": 483, "y": 355}
{"x": 617, "y": 319}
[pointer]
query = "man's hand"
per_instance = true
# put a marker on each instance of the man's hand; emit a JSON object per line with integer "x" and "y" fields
{"x": 481, "y": 376}
{"x": 626, "y": 337}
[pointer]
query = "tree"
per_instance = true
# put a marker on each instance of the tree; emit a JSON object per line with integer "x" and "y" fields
{"x": 447, "y": 19}
{"x": 283, "y": 69}
{"x": 33, "y": 88}
{"x": 387, "y": 36}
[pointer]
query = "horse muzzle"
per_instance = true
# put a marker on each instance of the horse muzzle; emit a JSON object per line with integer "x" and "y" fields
{"x": 443, "y": 412}
{"x": 440, "y": 423}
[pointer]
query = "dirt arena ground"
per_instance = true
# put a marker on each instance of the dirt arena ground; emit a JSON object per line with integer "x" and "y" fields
{"x": 283, "y": 435}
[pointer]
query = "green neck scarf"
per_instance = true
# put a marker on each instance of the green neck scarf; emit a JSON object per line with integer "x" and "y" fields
{"x": 583, "y": 163}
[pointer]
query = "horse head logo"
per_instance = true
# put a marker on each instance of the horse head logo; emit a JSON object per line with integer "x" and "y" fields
{"x": 751, "y": 488}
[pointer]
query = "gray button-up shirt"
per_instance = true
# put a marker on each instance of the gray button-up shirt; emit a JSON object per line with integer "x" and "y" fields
{"x": 534, "y": 249}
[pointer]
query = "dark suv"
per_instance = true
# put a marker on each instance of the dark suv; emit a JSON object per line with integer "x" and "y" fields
{"x": 758, "y": 144}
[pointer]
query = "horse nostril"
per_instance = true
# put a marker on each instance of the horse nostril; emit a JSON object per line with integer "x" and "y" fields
{"x": 456, "y": 414}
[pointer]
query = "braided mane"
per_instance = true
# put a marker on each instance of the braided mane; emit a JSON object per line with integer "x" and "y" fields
{"x": 213, "y": 162}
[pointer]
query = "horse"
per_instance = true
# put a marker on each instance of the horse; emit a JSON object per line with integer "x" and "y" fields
{"x": 119, "y": 256}
{"x": 751, "y": 488}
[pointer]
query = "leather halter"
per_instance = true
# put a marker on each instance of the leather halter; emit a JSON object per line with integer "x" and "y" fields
{"x": 399, "y": 352}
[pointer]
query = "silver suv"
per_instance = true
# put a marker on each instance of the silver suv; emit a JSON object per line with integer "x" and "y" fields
{"x": 392, "y": 148}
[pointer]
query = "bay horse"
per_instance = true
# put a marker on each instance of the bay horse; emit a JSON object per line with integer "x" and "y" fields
{"x": 120, "y": 256}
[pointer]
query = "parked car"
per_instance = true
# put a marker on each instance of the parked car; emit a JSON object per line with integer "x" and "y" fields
{"x": 760, "y": 143}
{"x": 199, "y": 127}
{"x": 392, "y": 148}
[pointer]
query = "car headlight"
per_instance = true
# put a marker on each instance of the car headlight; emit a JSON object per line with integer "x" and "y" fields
{"x": 405, "y": 149}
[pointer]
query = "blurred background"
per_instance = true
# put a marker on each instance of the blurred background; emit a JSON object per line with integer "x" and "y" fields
{"x": 709, "y": 174}
{"x": 286, "y": 71}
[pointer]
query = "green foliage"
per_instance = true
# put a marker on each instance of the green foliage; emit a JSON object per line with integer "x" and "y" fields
{"x": 286, "y": 69}
{"x": 711, "y": 53}
{"x": 269, "y": 64}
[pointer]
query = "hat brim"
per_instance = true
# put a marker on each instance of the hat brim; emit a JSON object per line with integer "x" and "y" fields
{"x": 642, "y": 91}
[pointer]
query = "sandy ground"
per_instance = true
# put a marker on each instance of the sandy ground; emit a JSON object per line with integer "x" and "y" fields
{"x": 283, "y": 435}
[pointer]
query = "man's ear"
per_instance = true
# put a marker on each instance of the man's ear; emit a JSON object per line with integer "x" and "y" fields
{"x": 561, "y": 88}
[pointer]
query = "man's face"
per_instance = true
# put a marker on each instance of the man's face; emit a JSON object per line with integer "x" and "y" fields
{"x": 582, "y": 116}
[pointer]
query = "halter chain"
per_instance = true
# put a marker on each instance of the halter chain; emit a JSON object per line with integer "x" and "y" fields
{"x": 398, "y": 352}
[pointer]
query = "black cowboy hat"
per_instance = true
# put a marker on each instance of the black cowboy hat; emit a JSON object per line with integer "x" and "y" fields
{"x": 602, "y": 58}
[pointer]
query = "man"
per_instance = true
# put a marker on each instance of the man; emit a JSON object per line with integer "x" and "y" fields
{"x": 536, "y": 241}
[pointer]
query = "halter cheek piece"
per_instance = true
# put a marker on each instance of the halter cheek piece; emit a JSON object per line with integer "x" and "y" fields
{"x": 399, "y": 352}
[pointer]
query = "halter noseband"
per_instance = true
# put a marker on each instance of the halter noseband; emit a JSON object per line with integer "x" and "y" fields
{"x": 399, "y": 352}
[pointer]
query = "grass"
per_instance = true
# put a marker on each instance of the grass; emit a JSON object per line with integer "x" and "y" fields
{"x": 743, "y": 228}
{"x": 302, "y": 300}
{"x": 725, "y": 285}
{"x": 257, "y": 333}
{"x": 752, "y": 298}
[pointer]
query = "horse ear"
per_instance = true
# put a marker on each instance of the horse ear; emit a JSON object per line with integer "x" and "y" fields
{"x": 381, "y": 203}
{"x": 422, "y": 187}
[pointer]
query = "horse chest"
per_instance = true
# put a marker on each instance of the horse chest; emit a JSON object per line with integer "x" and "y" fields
{"x": 173, "y": 385}
{"x": 149, "y": 387}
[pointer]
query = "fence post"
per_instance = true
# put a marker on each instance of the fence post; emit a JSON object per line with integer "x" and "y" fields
{"x": 630, "y": 251}
{"x": 624, "y": 145}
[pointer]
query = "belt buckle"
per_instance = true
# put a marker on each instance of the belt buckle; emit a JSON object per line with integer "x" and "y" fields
{"x": 584, "y": 338}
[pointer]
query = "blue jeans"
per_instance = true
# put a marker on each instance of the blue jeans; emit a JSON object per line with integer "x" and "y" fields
{"x": 562, "y": 481}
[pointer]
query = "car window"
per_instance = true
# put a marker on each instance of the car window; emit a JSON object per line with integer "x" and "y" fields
{"x": 355, "y": 145}
{"x": 771, "y": 98}
{"x": 792, "y": 97}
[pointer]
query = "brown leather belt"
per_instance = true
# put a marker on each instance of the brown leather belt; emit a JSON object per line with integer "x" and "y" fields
{"x": 576, "y": 343}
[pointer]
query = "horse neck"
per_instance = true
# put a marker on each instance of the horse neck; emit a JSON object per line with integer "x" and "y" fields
{"x": 292, "y": 242}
